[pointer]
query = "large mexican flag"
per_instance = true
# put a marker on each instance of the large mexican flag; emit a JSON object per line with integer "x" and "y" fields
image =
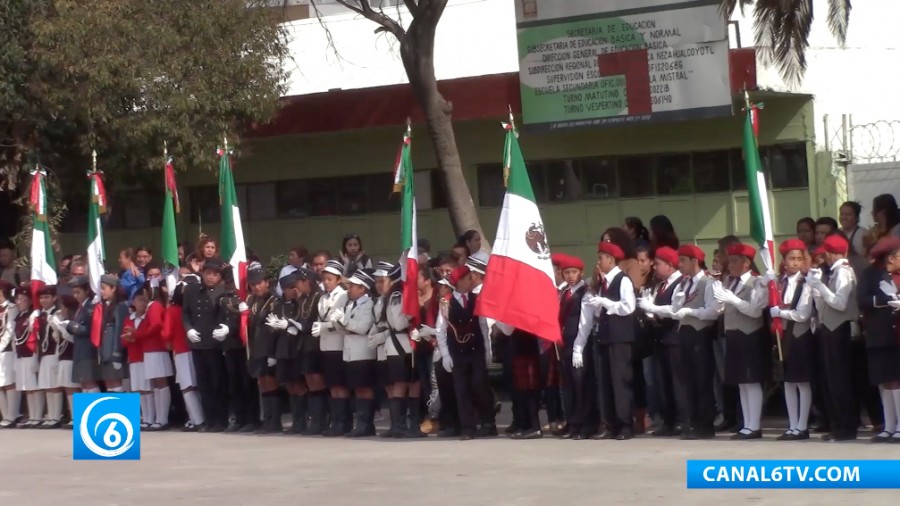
{"x": 169, "y": 234}
{"x": 43, "y": 261}
{"x": 409, "y": 259}
{"x": 234, "y": 252}
{"x": 96, "y": 252}
{"x": 519, "y": 287}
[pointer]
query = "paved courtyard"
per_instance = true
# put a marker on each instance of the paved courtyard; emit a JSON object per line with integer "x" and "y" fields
{"x": 220, "y": 469}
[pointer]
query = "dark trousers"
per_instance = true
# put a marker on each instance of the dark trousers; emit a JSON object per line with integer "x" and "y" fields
{"x": 579, "y": 399}
{"x": 549, "y": 368}
{"x": 422, "y": 362}
{"x": 820, "y": 385}
{"x": 212, "y": 381}
{"x": 448, "y": 417}
{"x": 867, "y": 393}
{"x": 243, "y": 392}
{"x": 668, "y": 371}
{"x": 470, "y": 382}
{"x": 843, "y": 405}
{"x": 697, "y": 370}
{"x": 614, "y": 371}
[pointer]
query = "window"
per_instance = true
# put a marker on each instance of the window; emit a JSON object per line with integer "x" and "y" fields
{"x": 490, "y": 185}
{"x": 323, "y": 197}
{"x": 204, "y": 204}
{"x": 438, "y": 190}
{"x": 636, "y": 176}
{"x": 563, "y": 180}
{"x": 787, "y": 167}
{"x": 381, "y": 196}
{"x": 292, "y": 199}
{"x": 261, "y": 202}
{"x": 673, "y": 175}
{"x": 738, "y": 172}
{"x": 711, "y": 172}
{"x": 599, "y": 177}
{"x": 129, "y": 209}
{"x": 537, "y": 174}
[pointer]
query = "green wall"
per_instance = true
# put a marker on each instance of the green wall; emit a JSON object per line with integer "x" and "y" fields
{"x": 572, "y": 227}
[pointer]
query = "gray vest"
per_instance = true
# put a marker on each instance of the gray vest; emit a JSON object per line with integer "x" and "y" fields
{"x": 696, "y": 301}
{"x": 830, "y": 317}
{"x": 798, "y": 329}
{"x": 736, "y": 320}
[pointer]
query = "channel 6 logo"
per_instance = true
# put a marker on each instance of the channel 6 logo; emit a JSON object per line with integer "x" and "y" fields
{"x": 107, "y": 426}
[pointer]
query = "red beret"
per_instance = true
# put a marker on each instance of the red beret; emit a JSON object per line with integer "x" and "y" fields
{"x": 885, "y": 246}
{"x": 791, "y": 245}
{"x": 6, "y": 286}
{"x": 457, "y": 274}
{"x": 667, "y": 255}
{"x": 570, "y": 262}
{"x": 47, "y": 290}
{"x": 557, "y": 258}
{"x": 691, "y": 251}
{"x": 611, "y": 249}
{"x": 742, "y": 250}
{"x": 836, "y": 244}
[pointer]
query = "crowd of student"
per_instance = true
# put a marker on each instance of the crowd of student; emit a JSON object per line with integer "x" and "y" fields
{"x": 654, "y": 339}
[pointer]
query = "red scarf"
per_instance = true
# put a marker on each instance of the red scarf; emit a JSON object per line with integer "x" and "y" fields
{"x": 97, "y": 323}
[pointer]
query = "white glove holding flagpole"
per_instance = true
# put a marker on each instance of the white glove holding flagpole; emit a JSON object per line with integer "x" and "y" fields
{"x": 414, "y": 335}
{"x": 775, "y": 312}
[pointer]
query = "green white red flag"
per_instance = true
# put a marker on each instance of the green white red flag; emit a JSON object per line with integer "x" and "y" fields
{"x": 169, "y": 233}
{"x": 519, "y": 285}
{"x": 234, "y": 252}
{"x": 758, "y": 200}
{"x": 409, "y": 260}
{"x": 43, "y": 261}
{"x": 96, "y": 253}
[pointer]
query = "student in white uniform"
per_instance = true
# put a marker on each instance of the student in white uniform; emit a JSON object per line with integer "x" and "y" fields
{"x": 355, "y": 321}
{"x": 331, "y": 343}
{"x": 48, "y": 343}
{"x": 9, "y": 396}
{"x": 27, "y": 366}
{"x": 65, "y": 351}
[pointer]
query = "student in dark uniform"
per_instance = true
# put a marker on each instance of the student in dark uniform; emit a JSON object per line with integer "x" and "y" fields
{"x": 614, "y": 308}
{"x": 85, "y": 368}
{"x": 877, "y": 298}
{"x": 260, "y": 304}
{"x": 203, "y": 323}
{"x": 747, "y": 348}
{"x": 837, "y": 306}
{"x": 577, "y": 382}
{"x": 242, "y": 390}
{"x": 668, "y": 364}
{"x": 48, "y": 344}
{"x": 65, "y": 352}
{"x": 309, "y": 357}
{"x": 524, "y": 353}
{"x": 355, "y": 321}
{"x": 25, "y": 340}
{"x": 796, "y": 310}
{"x": 448, "y": 414}
{"x": 331, "y": 346}
{"x": 106, "y": 328}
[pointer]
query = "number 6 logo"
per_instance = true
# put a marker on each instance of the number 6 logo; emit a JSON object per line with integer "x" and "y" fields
{"x": 112, "y": 437}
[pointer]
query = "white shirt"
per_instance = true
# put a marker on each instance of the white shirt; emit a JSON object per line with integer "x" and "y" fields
{"x": 711, "y": 307}
{"x": 663, "y": 311}
{"x": 591, "y": 309}
{"x": 804, "y": 309}
{"x": 842, "y": 281}
{"x": 440, "y": 325}
{"x": 754, "y": 307}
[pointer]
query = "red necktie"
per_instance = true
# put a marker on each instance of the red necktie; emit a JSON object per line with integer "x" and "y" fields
{"x": 604, "y": 286}
{"x": 465, "y": 300}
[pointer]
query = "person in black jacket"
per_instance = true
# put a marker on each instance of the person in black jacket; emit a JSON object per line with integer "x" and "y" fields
{"x": 260, "y": 338}
{"x": 877, "y": 297}
{"x": 206, "y": 332}
{"x": 85, "y": 369}
{"x": 243, "y": 395}
{"x": 577, "y": 383}
{"x": 110, "y": 315}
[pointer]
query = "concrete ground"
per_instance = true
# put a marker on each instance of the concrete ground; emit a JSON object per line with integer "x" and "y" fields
{"x": 221, "y": 469}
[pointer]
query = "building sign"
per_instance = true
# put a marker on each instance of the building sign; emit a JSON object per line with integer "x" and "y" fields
{"x": 591, "y": 63}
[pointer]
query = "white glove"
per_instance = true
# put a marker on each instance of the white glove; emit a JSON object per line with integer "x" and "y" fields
{"x": 193, "y": 336}
{"x": 276, "y": 323}
{"x": 32, "y": 317}
{"x": 888, "y": 289}
{"x": 316, "y": 329}
{"x": 646, "y": 305}
{"x": 894, "y": 303}
{"x": 414, "y": 335}
{"x": 601, "y": 302}
{"x": 775, "y": 311}
{"x": 117, "y": 365}
{"x": 578, "y": 357}
{"x": 293, "y": 331}
{"x": 681, "y": 313}
{"x": 426, "y": 331}
{"x": 814, "y": 277}
{"x": 337, "y": 315}
{"x": 243, "y": 307}
{"x": 447, "y": 362}
{"x": 768, "y": 277}
{"x": 678, "y": 299}
{"x": 271, "y": 361}
{"x": 376, "y": 339}
{"x": 297, "y": 325}
{"x": 220, "y": 333}
{"x": 647, "y": 293}
{"x": 726, "y": 296}
{"x": 154, "y": 282}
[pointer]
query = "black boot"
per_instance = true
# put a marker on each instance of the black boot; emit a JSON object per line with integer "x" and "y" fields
{"x": 271, "y": 413}
{"x": 363, "y": 417}
{"x": 518, "y": 420}
{"x": 415, "y": 418}
{"x": 338, "y": 409}
{"x": 316, "y": 414}
{"x": 395, "y": 430}
{"x": 277, "y": 427}
{"x": 298, "y": 414}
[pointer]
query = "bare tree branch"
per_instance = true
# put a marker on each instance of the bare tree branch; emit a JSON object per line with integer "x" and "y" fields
{"x": 365, "y": 9}
{"x": 412, "y": 7}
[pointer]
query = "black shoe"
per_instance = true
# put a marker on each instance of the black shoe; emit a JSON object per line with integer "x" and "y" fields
{"x": 486, "y": 430}
{"x": 746, "y": 436}
{"x": 727, "y": 425}
{"x": 363, "y": 418}
{"x": 896, "y": 438}
{"x": 511, "y": 429}
{"x": 338, "y": 409}
{"x": 625, "y": 435}
{"x": 233, "y": 427}
{"x": 836, "y": 437}
{"x": 467, "y": 436}
{"x": 664, "y": 432}
{"x": 822, "y": 429}
{"x": 398, "y": 416}
{"x": 704, "y": 434}
{"x": 158, "y": 428}
{"x": 528, "y": 434}
{"x": 189, "y": 427}
{"x": 787, "y": 436}
{"x": 248, "y": 428}
{"x": 316, "y": 406}
{"x": 215, "y": 428}
{"x": 801, "y": 435}
{"x": 298, "y": 414}
{"x": 578, "y": 436}
{"x": 688, "y": 434}
{"x": 882, "y": 437}
{"x": 448, "y": 432}
{"x": 606, "y": 434}
{"x": 413, "y": 429}
{"x": 561, "y": 431}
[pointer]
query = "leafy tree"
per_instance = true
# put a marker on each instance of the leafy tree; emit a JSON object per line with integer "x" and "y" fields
{"x": 417, "y": 54}
{"x": 783, "y": 26}
{"x": 123, "y": 76}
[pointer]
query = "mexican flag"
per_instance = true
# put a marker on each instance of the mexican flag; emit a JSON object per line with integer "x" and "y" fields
{"x": 95, "y": 251}
{"x": 519, "y": 286}
{"x": 169, "y": 235}
{"x": 409, "y": 260}
{"x": 234, "y": 253}
{"x": 758, "y": 200}
{"x": 43, "y": 261}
